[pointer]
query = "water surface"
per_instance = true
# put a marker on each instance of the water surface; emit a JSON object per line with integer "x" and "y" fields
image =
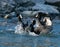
{"x": 9, "y": 39}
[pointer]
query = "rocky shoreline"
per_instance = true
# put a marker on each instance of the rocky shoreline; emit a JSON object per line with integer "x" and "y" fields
{"x": 14, "y": 7}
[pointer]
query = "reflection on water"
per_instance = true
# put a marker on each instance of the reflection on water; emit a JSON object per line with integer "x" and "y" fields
{"x": 9, "y": 39}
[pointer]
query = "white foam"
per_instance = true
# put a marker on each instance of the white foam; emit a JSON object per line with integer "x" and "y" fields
{"x": 19, "y": 29}
{"x": 33, "y": 34}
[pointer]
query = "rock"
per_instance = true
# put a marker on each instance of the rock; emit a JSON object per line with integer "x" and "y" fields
{"x": 27, "y": 4}
{"x": 38, "y": 7}
{"x": 20, "y": 1}
{"x": 51, "y": 1}
{"x": 58, "y": 9}
{"x": 45, "y": 8}
{"x": 38, "y": 1}
{"x": 29, "y": 13}
{"x": 20, "y": 9}
{"x": 5, "y": 7}
{"x": 24, "y": 3}
{"x": 55, "y": 2}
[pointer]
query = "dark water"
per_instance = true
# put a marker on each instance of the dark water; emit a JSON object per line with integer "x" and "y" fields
{"x": 9, "y": 39}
